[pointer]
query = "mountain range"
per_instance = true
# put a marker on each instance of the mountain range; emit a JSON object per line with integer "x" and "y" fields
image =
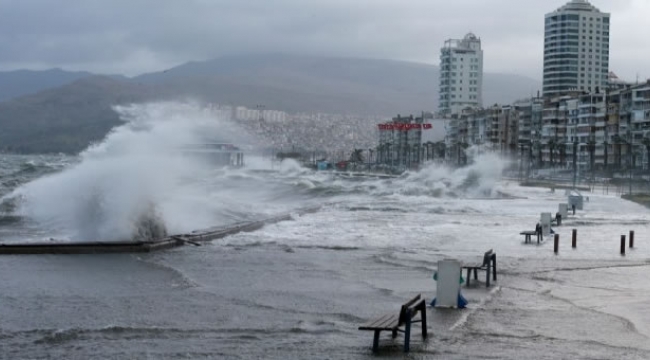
{"x": 59, "y": 111}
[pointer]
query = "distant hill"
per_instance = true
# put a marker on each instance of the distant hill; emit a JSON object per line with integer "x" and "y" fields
{"x": 337, "y": 85}
{"x": 66, "y": 119}
{"x": 69, "y": 117}
{"x": 23, "y": 82}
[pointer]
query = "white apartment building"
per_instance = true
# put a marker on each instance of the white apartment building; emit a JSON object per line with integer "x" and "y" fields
{"x": 576, "y": 49}
{"x": 461, "y": 75}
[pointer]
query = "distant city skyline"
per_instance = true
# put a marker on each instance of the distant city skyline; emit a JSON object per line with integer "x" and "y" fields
{"x": 132, "y": 38}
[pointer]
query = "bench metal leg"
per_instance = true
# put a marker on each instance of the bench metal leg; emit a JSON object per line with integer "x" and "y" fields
{"x": 487, "y": 275}
{"x": 494, "y": 267}
{"x": 394, "y": 333}
{"x": 375, "y": 342}
{"x": 423, "y": 315}
{"x": 407, "y": 334}
{"x": 475, "y": 274}
{"x": 469, "y": 271}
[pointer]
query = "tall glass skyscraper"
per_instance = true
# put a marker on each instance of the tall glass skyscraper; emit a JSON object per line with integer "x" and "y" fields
{"x": 576, "y": 49}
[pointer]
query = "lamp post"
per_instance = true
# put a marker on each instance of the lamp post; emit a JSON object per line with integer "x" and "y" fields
{"x": 575, "y": 162}
{"x": 629, "y": 160}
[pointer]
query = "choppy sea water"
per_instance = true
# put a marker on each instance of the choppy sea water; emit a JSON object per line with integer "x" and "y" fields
{"x": 299, "y": 289}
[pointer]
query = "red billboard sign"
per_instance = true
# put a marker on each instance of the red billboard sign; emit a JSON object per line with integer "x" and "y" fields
{"x": 405, "y": 127}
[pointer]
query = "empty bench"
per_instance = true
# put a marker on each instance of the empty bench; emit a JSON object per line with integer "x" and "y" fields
{"x": 489, "y": 264}
{"x": 394, "y": 322}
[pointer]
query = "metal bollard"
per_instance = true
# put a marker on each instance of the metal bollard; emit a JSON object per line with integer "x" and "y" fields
{"x": 574, "y": 239}
{"x": 556, "y": 243}
{"x": 631, "y": 239}
{"x": 622, "y": 244}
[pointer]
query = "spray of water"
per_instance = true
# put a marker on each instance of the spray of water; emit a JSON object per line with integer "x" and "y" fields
{"x": 479, "y": 179}
{"x": 135, "y": 184}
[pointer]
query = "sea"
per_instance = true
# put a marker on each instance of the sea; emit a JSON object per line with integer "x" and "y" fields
{"x": 299, "y": 289}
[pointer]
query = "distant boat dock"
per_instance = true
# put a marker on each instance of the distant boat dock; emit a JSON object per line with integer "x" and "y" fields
{"x": 218, "y": 154}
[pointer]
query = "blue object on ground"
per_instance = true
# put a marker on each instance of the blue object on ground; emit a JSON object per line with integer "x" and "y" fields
{"x": 462, "y": 302}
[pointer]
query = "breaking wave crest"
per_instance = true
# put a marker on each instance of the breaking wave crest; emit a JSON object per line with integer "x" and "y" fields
{"x": 137, "y": 184}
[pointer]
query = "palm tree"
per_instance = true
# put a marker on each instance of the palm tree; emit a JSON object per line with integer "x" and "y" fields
{"x": 464, "y": 145}
{"x": 416, "y": 153}
{"x": 605, "y": 165}
{"x": 618, "y": 142}
{"x": 551, "y": 146}
{"x": 562, "y": 147}
{"x": 591, "y": 147}
{"x": 441, "y": 147}
{"x": 407, "y": 155}
{"x": 357, "y": 155}
{"x": 386, "y": 151}
{"x": 646, "y": 142}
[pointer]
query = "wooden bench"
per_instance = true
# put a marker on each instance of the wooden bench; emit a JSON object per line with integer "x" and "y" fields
{"x": 489, "y": 263}
{"x": 528, "y": 236}
{"x": 393, "y": 322}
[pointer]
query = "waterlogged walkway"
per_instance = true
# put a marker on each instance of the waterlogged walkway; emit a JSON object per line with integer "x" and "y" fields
{"x": 299, "y": 289}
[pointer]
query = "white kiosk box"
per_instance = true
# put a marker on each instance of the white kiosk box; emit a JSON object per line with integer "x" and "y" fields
{"x": 575, "y": 198}
{"x": 545, "y": 221}
{"x": 563, "y": 209}
{"x": 448, "y": 283}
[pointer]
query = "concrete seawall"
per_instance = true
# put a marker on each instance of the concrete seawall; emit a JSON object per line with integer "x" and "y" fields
{"x": 194, "y": 238}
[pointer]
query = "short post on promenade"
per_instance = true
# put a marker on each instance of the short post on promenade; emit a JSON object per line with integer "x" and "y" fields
{"x": 574, "y": 238}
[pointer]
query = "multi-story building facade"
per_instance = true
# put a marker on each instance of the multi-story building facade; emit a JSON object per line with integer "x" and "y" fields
{"x": 400, "y": 142}
{"x": 576, "y": 49}
{"x": 461, "y": 75}
{"x": 608, "y": 130}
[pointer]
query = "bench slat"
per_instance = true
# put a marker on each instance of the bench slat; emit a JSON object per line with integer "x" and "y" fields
{"x": 391, "y": 322}
{"x": 477, "y": 266}
{"x": 373, "y": 323}
{"x": 385, "y": 322}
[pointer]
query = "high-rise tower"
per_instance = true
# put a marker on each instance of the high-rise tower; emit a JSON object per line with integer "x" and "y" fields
{"x": 576, "y": 49}
{"x": 461, "y": 75}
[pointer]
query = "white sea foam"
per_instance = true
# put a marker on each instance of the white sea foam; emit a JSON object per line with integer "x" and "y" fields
{"x": 135, "y": 176}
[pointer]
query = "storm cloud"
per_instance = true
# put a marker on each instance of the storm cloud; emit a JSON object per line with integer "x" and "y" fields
{"x": 136, "y": 36}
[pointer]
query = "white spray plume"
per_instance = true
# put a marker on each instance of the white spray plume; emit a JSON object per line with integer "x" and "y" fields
{"x": 136, "y": 176}
{"x": 477, "y": 179}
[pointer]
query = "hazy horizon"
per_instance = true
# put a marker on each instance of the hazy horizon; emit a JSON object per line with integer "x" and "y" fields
{"x": 247, "y": 55}
{"x": 129, "y": 38}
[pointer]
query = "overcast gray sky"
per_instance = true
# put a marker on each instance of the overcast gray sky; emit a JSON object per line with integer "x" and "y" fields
{"x": 136, "y": 36}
